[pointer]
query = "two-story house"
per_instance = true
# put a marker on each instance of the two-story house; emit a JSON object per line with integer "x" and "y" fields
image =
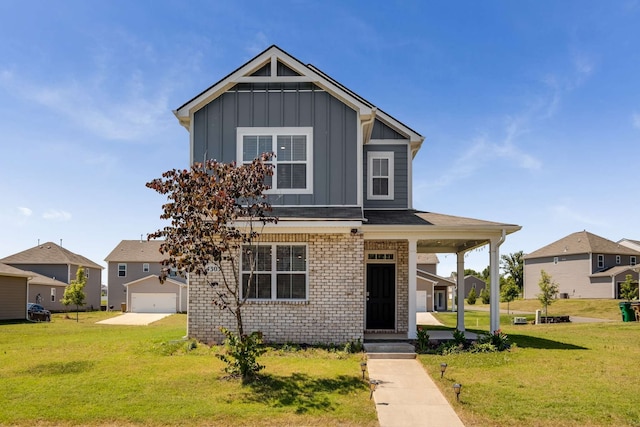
{"x": 58, "y": 265}
{"x": 583, "y": 265}
{"x": 342, "y": 259}
{"x": 133, "y": 280}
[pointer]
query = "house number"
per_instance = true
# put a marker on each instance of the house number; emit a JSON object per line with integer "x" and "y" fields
{"x": 212, "y": 268}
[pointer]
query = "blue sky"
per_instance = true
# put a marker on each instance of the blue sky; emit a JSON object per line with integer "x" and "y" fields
{"x": 530, "y": 109}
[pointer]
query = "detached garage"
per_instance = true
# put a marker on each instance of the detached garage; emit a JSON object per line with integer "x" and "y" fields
{"x": 148, "y": 295}
{"x": 13, "y": 293}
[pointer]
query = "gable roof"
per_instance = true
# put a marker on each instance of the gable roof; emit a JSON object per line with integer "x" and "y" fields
{"x": 427, "y": 258}
{"x": 39, "y": 279}
{"x": 425, "y": 275}
{"x": 49, "y": 253}
{"x": 7, "y": 270}
{"x": 136, "y": 251}
{"x": 581, "y": 242}
{"x": 154, "y": 276}
{"x": 299, "y": 72}
{"x": 613, "y": 271}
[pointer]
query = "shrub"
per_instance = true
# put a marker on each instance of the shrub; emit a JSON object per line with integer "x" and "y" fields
{"x": 241, "y": 354}
{"x": 471, "y": 298}
{"x": 485, "y": 295}
{"x": 498, "y": 339}
{"x": 422, "y": 345}
{"x": 354, "y": 346}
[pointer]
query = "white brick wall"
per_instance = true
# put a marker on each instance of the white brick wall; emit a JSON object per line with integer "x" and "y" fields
{"x": 333, "y": 313}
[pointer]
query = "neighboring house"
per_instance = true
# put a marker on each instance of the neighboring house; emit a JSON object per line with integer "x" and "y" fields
{"x": 583, "y": 265}
{"x": 59, "y": 264}
{"x": 473, "y": 282}
{"x": 13, "y": 293}
{"x": 432, "y": 290}
{"x": 342, "y": 259}
{"x": 632, "y": 244}
{"x": 133, "y": 279}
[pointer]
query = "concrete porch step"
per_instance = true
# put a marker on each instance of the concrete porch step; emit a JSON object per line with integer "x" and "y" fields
{"x": 389, "y": 350}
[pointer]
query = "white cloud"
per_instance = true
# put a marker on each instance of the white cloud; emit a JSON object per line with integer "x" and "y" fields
{"x": 25, "y": 211}
{"x": 56, "y": 215}
{"x": 565, "y": 213}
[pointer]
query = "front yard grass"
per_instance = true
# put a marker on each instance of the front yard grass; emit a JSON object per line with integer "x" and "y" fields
{"x": 66, "y": 373}
{"x": 557, "y": 375}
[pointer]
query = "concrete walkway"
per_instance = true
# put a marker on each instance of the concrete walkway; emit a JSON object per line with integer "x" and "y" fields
{"x": 134, "y": 319}
{"x": 407, "y": 396}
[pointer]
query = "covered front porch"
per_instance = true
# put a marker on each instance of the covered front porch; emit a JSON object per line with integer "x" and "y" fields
{"x": 427, "y": 232}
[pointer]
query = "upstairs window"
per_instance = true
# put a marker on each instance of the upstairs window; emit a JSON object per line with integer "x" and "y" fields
{"x": 632, "y": 260}
{"x": 618, "y": 259}
{"x": 293, "y": 149}
{"x": 145, "y": 268}
{"x": 600, "y": 261}
{"x": 122, "y": 270}
{"x": 380, "y": 175}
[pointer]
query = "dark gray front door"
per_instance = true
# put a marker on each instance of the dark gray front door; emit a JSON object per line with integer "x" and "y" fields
{"x": 381, "y": 296}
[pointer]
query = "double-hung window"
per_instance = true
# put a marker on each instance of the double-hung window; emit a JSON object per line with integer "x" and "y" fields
{"x": 380, "y": 175}
{"x": 293, "y": 147}
{"x": 279, "y": 272}
{"x": 632, "y": 260}
{"x": 600, "y": 261}
{"x": 122, "y": 270}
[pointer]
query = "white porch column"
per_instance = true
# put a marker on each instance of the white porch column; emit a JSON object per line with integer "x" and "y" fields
{"x": 494, "y": 269}
{"x": 460, "y": 285}
{"x": 413, "y": 277}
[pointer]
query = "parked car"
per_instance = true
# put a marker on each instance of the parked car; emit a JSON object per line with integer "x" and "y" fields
{"x": 38, "y": 313}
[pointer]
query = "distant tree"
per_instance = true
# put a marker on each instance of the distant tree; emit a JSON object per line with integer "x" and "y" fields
{"x": 629, "y": 288}
{"x": 513, "y": 266}
{"x": 217, "y": 212}
{"x": 471, "y": 272}
{"x": 485, "y": 295}
{"x": 74, "y": 292}
{"x": 548, "y": 290}
{"x": 471, "y": 298}
{"x": 509, "y": 292}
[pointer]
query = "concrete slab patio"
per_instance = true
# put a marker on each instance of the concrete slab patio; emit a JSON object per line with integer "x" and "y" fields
{"x": 407, "y": 396}
{"x": 134, "y": 319}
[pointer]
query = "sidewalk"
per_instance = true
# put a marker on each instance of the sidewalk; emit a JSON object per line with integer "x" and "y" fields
{"x": 407, "y": 396}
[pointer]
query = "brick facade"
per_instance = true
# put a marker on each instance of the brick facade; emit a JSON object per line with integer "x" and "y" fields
{"x": 333, "y": 312}
{"x": 401, "y": 249}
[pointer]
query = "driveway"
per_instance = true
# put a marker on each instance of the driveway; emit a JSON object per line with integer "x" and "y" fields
{"x": 135, "y": 319}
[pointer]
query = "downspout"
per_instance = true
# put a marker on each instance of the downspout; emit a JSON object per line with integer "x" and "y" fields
{"x": 495, "y": 283}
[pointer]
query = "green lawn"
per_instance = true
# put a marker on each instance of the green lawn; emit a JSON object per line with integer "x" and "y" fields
{"x": 598, "y": 308}
{"x": 68, "y": 373}
{"x": 557, "y": 375}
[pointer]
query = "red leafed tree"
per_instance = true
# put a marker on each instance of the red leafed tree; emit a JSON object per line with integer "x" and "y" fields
{"x": 215, "y": 210}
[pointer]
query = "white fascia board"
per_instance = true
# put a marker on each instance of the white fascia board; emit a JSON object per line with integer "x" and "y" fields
{"x": 184, "y": 114}
{"x": 414, "y": 137}
{"x": 372, "y": 232}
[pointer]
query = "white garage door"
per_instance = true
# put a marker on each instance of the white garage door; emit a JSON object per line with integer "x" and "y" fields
{"x": 153, "y": 303}
{"x": 421, "y": 301}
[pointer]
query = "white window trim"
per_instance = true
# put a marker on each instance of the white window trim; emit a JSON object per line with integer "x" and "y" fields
{"x": 53, "y": 294}
{"x": 618, "y": 259}
{"x": 274, "y": 132}
{"x": 555, "y": 259}
{"x": 125, "y": 270}
{"x": 600, "y": 261}
{"x": 145, "y": 267}
{"x": 274, "y": 273}
{"x": 371, "y": 155}
{"x": 632, "y": 260}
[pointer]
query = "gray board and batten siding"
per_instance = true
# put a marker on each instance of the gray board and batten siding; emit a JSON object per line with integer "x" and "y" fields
{"x": 334, "y": 125}
{"x": 382, "y": 132}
